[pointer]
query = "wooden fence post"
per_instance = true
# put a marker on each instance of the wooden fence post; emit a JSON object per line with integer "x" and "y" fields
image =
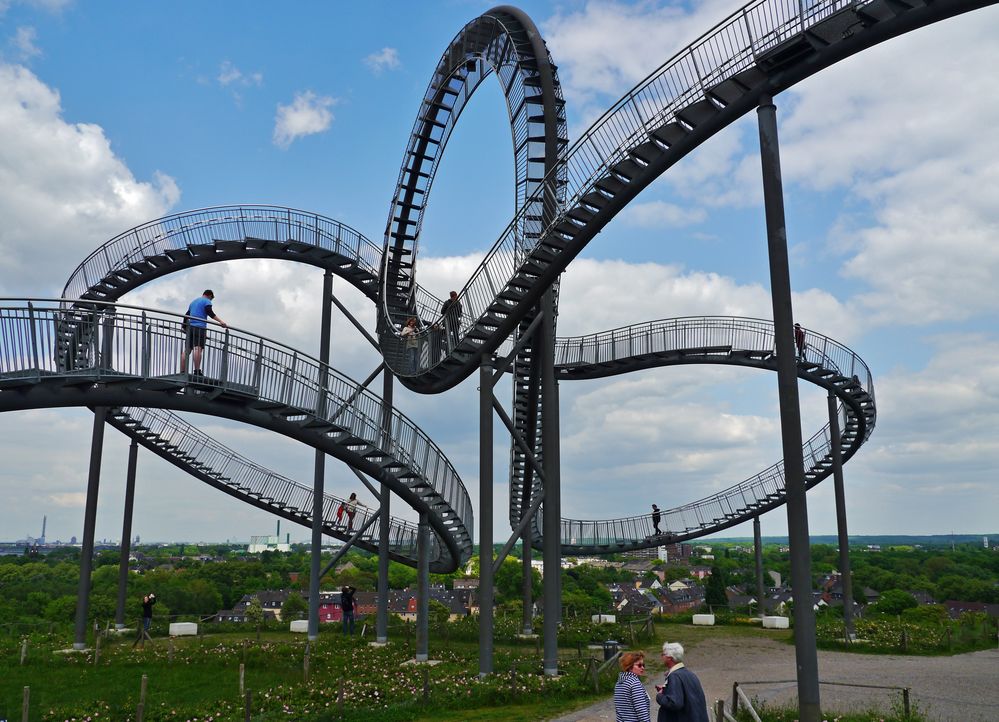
{"x": 720, "y": 710}
{"x": 25, "y": 704}
{"x": 905, "y": 701}
{"x": 97, "y": 649}
{"x": 170, "y": 651}
{"x": 140, "y": 711}
{"x": 426, "y": 684}
{"x": 305, "y": 663}
{"x": 24, "y": 650}
{"x": 242, "y": 679}
{"x": 247, "y": 705}
{"x": 339, "y": 700}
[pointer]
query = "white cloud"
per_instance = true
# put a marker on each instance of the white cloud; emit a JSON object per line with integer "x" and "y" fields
{"x": 51, "y": 6}
{"x": 660, "y": 214}
{"x": 384, "y": 59}
{"x": 23, "y": 43}
{"x": 229, "y": 74}
{"x": 65, "y": 190}
{"x": 72, "y": 499}
{"x": 308, "y": 114}
{"x": 605, "y": 48}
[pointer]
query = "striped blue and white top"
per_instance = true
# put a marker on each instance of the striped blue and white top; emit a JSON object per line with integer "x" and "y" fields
{"x": 631, "y": 701}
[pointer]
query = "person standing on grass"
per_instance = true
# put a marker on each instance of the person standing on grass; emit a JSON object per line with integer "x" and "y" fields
{"x": 147, "y": 611}
{"x": 347, "y": 607}
{"x": 680, "y": 697}
{"x": 631, "y": 701}
{"x": 196, "y": 325}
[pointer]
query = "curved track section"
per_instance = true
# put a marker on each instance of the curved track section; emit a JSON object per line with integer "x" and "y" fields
{"x": 193, "y": 451}
{"x": 224, "y": 233}
{"x": 504, "y": 42}
{"x": 133, "y": 357}
{"x": 762, "y": 49}
{"x": 716, "y": 340}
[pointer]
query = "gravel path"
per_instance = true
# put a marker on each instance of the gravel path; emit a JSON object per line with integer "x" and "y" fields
{"x": 963, "y": 688}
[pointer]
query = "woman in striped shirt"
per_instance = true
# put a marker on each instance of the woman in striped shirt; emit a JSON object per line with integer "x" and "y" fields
{"x": 631, "y": 701}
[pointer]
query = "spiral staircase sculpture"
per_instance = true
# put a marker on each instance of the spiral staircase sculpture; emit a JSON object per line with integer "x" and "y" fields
{"x": 85, "y": 349}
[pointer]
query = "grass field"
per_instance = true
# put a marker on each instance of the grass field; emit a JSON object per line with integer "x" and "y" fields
{"x": 198, "y": 678}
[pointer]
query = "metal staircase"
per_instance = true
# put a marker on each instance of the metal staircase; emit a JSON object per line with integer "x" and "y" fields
{"x": 248, "y": 378}
{"x": 713, "y": 340}
{"x": 193, "y": 451}
{"x": 223, "y": 233}
{"x": 764, "y": 48}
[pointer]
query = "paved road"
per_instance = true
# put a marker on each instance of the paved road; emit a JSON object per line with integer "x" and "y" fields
{"x": 963, "y": 688}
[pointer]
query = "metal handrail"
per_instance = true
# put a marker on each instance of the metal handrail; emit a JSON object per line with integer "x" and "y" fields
{"x": 148, "y": 344}
{"x": 205, "y": 226}
{"x": 705, "y": 338}
{"x": 490, "y": 40}
{"x": 248, "y": 478}
{"x": 731, "y": 46}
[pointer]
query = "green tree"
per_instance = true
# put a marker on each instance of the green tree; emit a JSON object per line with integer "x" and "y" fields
{"x": 714, "y": 590}
{"x": 438, "y": 615}
{"x": 294, "y": 607}
{"x": 255, "y": 612}
{"x": 894, "y": 601}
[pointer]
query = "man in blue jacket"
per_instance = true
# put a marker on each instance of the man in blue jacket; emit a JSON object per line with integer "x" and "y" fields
{"x": 680, "y": 697}
{"x": 196, "y": 324}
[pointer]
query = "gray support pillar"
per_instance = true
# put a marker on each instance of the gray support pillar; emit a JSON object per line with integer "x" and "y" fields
{"x": 381, "y": 618}
{"x": 485, "y": 517}
{"x": 790, "y": 417}
{"x": 89, "y": 526}
{"x": 844, "y": 539}
{"x": 528, "y": 583}
{"x": 319, "y": 468}
{"x": 423, "y": 589}
{"x": 126, "y": 535}
{"x": 761, "y": 590}
{"x": 552, "y": 520}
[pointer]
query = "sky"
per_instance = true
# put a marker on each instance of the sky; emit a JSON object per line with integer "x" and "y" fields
{"x": 115, "y": 114}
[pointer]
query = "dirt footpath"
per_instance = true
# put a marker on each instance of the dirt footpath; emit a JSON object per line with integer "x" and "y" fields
{"x": 964, "y": 688}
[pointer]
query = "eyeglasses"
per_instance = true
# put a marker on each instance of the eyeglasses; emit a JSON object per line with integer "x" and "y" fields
{"x": 639, "y": 664}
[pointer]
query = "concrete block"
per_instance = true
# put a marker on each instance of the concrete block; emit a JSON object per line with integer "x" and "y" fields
{"x": 183, "y": 629}
{"x": 300, "y": 626}
{"x": 707, "y": 620}
{"x": 776, "y": 623}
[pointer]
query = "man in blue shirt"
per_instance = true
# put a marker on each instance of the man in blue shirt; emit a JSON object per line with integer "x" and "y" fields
{"x": 196, "y": 324}
{"x": 680, "y": 697}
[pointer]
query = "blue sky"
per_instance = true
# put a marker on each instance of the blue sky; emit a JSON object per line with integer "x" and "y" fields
{"x": 116, "y": 114}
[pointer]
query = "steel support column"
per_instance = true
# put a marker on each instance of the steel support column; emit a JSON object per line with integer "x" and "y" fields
{"x": 319, "y": 469}
{"x": 846, "y": 580}
{"x": 790, "y": 417}
{"x": 552, "y": 520}
{"x": 89, "y": 526}
{"x": 423, "y": 589}
{"x": 126, "y": 534}
{"x": 384, "y": 525}
{"x": 758, "y": 548}
{"x": 485, "y": 516}
{"x": 528, "y": 581}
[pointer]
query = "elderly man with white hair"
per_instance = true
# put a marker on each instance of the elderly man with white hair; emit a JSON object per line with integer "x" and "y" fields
{"x": 680, "y": 697}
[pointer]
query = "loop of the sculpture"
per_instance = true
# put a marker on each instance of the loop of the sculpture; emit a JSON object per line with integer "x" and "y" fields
{"x": 506, "y": 42}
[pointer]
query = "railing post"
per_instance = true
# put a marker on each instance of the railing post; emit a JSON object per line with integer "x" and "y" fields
{"x": 224, "y": 370}
{"x": 258, "y": 366}
{"x": 147, "y": 346}
{"x": 34, "y": 340}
